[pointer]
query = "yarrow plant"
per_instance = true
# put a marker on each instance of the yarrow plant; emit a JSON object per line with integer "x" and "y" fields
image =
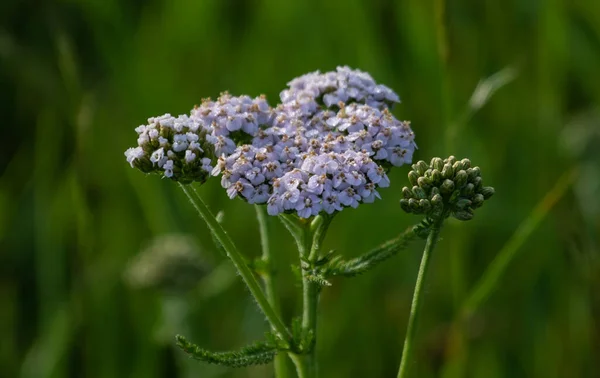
{"x": 327, "y": 146}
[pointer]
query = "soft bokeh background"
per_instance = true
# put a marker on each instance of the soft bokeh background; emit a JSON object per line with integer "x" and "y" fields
{"x": 78, "y": 75}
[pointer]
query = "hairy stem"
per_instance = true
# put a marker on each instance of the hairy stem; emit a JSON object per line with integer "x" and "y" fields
{"x": 238, "y": 262}
{"x": 309, "y": 237}
{"x": 267, "y": 277}
{"x": 408, "y": 350}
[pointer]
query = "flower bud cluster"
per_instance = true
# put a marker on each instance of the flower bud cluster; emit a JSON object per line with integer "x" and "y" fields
{"x": 445, "y": 187}
{"x": 328, "y": 146}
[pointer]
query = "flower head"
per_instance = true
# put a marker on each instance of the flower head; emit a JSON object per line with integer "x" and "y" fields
{"x": 327, "y": 146}
{"x": 174, "y": 147}
{"x": 343, "y": 85}
{"x": 445, "y": 187}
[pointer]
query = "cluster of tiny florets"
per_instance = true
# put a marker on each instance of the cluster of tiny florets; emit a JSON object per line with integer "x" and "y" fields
{"x": 232, "y": 120}
{"x": 445, "y": 187}
{"x": 174, "y": 147}
{"x": 327, "y": 146}
{"x": 342, "y": 85}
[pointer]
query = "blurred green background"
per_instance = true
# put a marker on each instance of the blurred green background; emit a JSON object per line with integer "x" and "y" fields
{"x": 76, "y": 76}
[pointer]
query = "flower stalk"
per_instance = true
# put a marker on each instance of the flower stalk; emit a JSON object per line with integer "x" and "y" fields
{"x": 408, "y": 349}
{"x": 309, "y": 238}
{"x": 238, "y": 262}
{"x": 280, "y": 366}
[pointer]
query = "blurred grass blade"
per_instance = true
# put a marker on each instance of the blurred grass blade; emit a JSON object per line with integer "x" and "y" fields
{"x": 486, "y": 88}
{"x": 45, "y": 355}
{"x": 491, "y": 277}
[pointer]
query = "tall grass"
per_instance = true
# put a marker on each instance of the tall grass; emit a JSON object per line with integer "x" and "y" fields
{"x": 77, "y": 77}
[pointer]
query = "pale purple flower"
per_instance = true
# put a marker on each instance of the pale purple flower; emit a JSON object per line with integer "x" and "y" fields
{"x": 331, "y": 202}
{"x": 168, "y": 167}
{"x": 349, "y": 197}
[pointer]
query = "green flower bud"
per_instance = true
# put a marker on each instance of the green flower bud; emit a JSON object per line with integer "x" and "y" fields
{"x": 473, "y": 172}
{"x": 455, "y": 196}
{"x": 466, "y": 163}
{"x": 447, "y": 171}
{"x": 414, "y": 205}
{"x": 424, "y": 182}
{"x": 468, "y": 190}
{"x": 478, "y": 200}
{"x": 404, "y": 205}
{"x": 421, "y": 167}
{"x": 447, "y": 187}
{"x": 435, "y": 190}
{"x": 463, "y": 215}
{"x": 477, "y": 183}
{"x": 413, "y": 176}
{"x": 425, "y": 205}
{"x": 451, "y": 160}
{"x": 406, "y": 193}
{"x": 460, "y": 179}
{"x": 457, "y": 166}
{"x": 462, "y": 203}
{"x": 437, "y": 163}
{"x": 487, "y": 192}
{"x": 436, "y": 176}
{"x": 419, "y": 192}
{"x": 437, "y": 200}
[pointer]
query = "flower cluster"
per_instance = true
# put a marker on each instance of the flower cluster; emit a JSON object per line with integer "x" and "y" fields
{"x": 175, "y": 147}
{"x": 327, "y": 146}
{"x": 445, "y": 187}
{"x": 343, "y": 85}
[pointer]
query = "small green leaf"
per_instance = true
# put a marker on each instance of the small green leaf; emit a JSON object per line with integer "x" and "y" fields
{"x": 259, "y": 353}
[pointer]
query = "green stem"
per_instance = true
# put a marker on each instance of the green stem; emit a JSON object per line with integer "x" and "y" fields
{"x": 238, "y": 262}
{"x": 267, "y": 277}
{"x": 408, "y": 350}
{"x": 309, "y": 237}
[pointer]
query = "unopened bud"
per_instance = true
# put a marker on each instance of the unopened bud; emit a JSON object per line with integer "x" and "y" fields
{"x": 478, "y": 200}
{"x": 424, "y": 182}
{"x": 460, "y": 179}
{"x": 404, "y": 205}
{"x": 462, "y": 203}
{"x": 413, "y": 176}
{"x": 463, "y": 215}
{"x": 419, "y": 192}
{"x": 437, "y": 163}
{"x": 425, "y": 205}
{"x": 421, "y": 167}
{"x": 447, "y": 171}
{"x": 487, "y": 192}
{"x": 447, "y": 186}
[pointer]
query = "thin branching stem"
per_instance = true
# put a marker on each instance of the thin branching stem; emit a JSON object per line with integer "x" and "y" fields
{"x": 238, "y": 261}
